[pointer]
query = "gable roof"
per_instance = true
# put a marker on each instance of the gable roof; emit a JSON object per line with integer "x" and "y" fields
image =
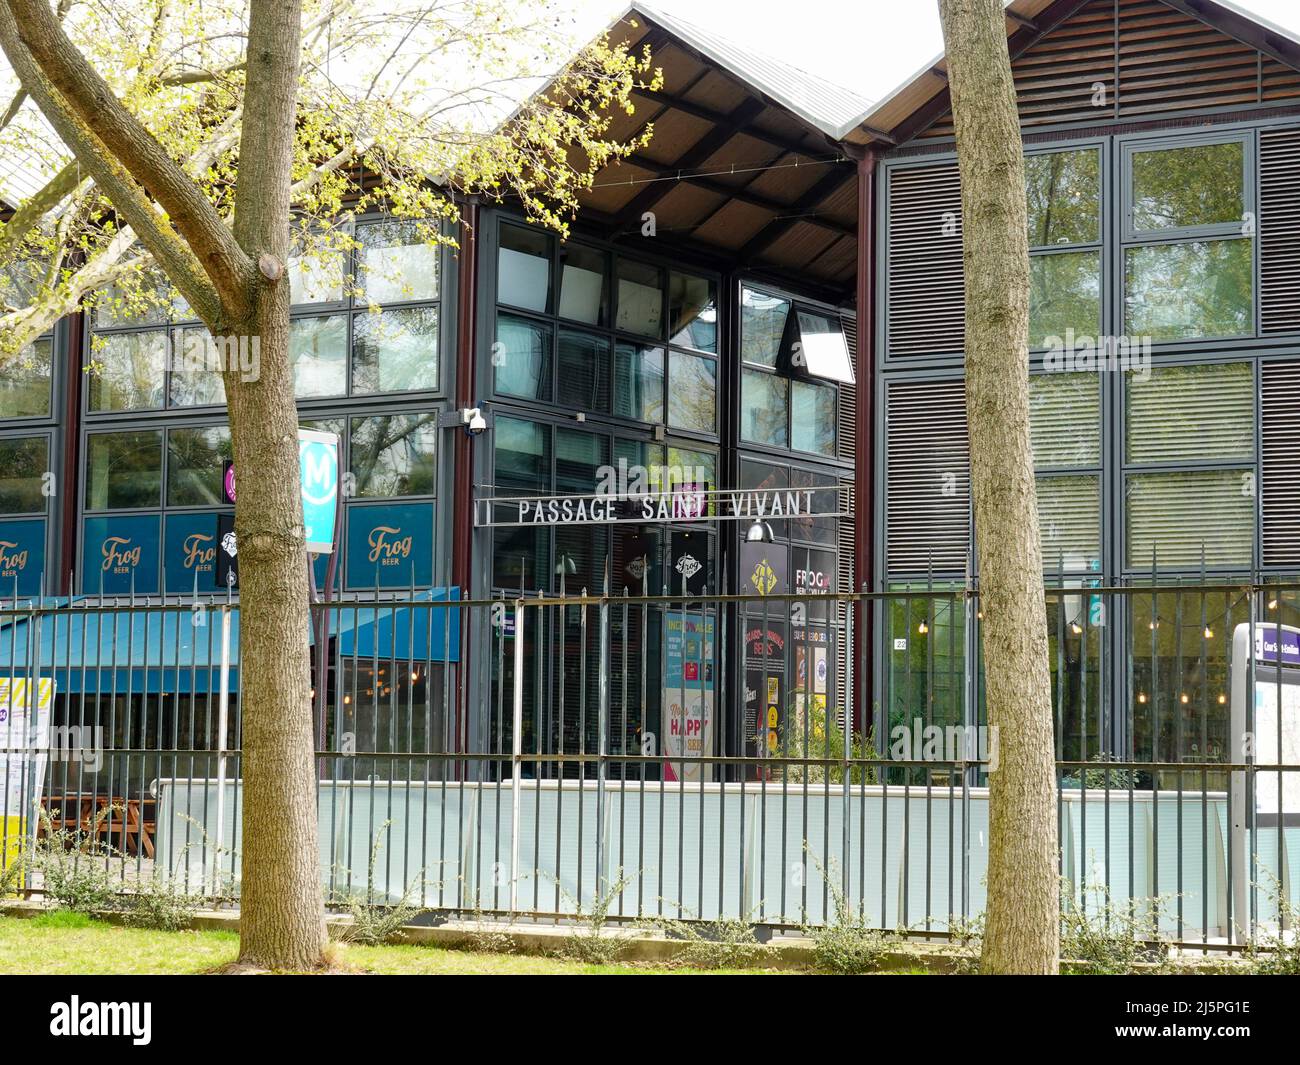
{"x": 893, "y": 118}
{"x": 823, "y": 104}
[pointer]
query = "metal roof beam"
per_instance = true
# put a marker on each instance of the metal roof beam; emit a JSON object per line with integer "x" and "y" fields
{"x": 779, "y": 227}
{"x": 693, "y": 157}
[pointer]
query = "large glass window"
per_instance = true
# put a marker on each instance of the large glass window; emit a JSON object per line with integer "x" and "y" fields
{"x": 692, "y": 392}
{"x": 23, "y": 463}
{"x": 1201, "y": 419}
{"x": 318, "y": 354}
{"x": 1189, "y": 250}
{"x": 584, "y": 370}
{"x": 395, "y": 351}
{"x": 316, "y": 271}
{"x": 1203, "y": 288}
{"x": 639, "y": 382}
{"x": 524, "y": 269}
{"x": 764, "y": 408}
{"x": 127, "y": 371}
{"x": 521, "y": 359}
{"x": 781, "y": 403}
{"x": 1064, "y": 197}
{"x": 1063, "y": 191}
{"x": 692, "y": 312}
{"x": 397, "y": 263}
{"x": 640, "y": 298}
{"x": 195, "y": 379}
{"x": 124, "y": 470}
{"x": 1185, "y": 187}
{"x": 584, "y": 285}
{"x": 26, "y": 381}
{"x": 194, "y": 463}
{"x": 812, "y": 418}
{"x": 394, "y": 455}
{"x": 762, "y": 326}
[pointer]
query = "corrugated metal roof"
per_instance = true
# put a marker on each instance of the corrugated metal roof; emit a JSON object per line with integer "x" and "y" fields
{"x": 821, "y": 103}
{"x": 33, "y": 154}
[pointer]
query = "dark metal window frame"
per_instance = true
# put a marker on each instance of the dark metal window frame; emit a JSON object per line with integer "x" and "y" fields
{"x": 350, "y": 308}
{"x": 797, "y": 304}
{"x": 553, "y": 323}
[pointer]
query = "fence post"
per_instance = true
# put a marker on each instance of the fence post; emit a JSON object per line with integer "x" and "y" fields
{"x": 517, "y": 753}
{"x": 223, "y": 721}
{"x": 602, "y": 734}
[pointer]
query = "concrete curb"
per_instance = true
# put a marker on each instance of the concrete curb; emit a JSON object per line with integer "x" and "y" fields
{"x": 789, "y": 953}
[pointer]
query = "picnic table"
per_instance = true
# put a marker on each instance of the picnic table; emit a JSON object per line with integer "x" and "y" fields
{"x": 114, "y": 819}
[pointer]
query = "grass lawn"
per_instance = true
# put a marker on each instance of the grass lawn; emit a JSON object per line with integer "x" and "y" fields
{"x": 62, "y": 942}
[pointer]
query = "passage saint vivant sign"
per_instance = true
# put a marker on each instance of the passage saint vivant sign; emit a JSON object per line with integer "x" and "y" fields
{"x": 682, "y": 503}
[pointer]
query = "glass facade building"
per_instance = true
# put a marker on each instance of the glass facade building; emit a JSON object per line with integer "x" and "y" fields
{"x": 789, "y": 321}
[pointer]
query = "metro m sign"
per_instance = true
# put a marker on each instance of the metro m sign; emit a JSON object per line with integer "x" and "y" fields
{"x": 318, "y": 465}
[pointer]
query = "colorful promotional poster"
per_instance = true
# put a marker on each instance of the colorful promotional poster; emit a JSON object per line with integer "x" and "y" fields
{"x": 688, "y": 694}
{"x": 24, "y": 751}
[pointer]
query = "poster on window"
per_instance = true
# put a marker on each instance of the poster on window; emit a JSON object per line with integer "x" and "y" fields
{"x": 688, "y": 695}
{"x": 24, "y": 751}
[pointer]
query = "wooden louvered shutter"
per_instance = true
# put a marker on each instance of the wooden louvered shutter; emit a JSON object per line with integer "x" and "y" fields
{"x": 1279, "y": 230}
{"x": 926, "y": 285}
{"x": 845, "y": 578}
{"x": 927, "y": 460}
{"x": 847, "y": 428}
{"x": 1280, "y": 425}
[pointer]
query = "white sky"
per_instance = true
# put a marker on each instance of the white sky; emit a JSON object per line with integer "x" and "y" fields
{"x": 866, "y": 45}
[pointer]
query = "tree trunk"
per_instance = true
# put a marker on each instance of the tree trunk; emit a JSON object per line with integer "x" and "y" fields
{"x": 1022, "y": 920}
{"x": 281, "y": 909}
{"x": 282, "y": 919}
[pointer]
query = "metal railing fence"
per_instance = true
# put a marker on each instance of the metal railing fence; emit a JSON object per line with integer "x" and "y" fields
{"x": 702, "y": 758}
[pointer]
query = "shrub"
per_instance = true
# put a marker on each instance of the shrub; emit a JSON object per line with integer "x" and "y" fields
{"x": 725, "y": 943}
{"x": 588, "y": 942}
{"x": 374, "y": 924}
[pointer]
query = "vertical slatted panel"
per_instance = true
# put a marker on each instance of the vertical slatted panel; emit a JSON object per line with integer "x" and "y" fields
{"x": 847, "y": 427}
{"x": 1280, "y": 424}
{"x": 1279, "y": 230}
{"x": 1167, "y": 61}
{"x": 926, "y": 311}
{"x": 845, "y": 582}
{"x": 927, "y": 458}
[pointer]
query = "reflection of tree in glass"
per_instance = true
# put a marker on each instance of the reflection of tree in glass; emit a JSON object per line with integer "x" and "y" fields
{"x": 1197, "y": 289}
{"x": 125, "y": 470}
{"x": 194, "y": 458}
{"x": 1063, "y": 191}
{"x": 1064, "y": 294}
{"x": 1192, "y": 186}
{"x": 395, "y": 350}
{"x": 394, "y": 454}
{"x": 22, "y": 463}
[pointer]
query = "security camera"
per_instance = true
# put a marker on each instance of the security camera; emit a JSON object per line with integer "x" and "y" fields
{"x": 473, "y": 420}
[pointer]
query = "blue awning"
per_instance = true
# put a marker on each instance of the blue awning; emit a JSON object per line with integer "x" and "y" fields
{"x": 150, "y": 650}
{"x": 122, "y": 651}
{"x": 415, "y": 633}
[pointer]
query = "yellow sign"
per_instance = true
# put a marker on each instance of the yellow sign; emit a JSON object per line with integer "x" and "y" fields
{"x": 764, "y": 577}
{"x": 25, "y": 740}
